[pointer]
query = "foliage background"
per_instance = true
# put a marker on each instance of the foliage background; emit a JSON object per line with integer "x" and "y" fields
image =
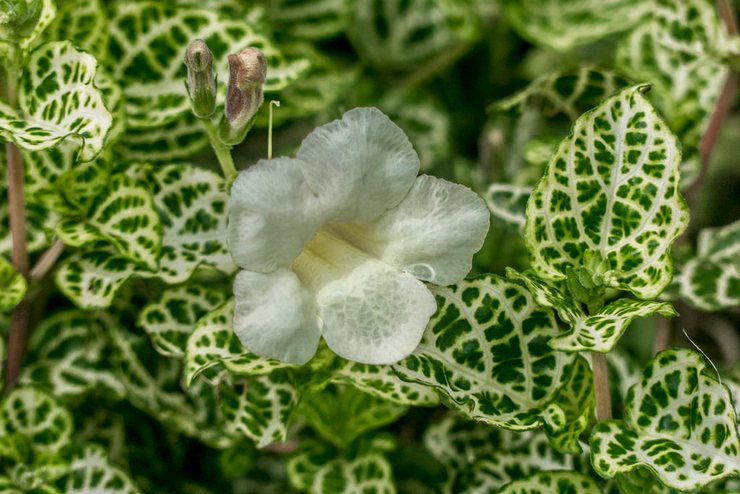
{"x": 441, "y": 70}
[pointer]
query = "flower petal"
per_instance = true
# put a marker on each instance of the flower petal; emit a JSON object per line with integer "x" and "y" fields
{"x": 360, "y": 165}
{"x": 432, "y": 234}
{"x": 272, "y": 214}
{"x": 371, "y": 312}
{"x": 274, "y": 316}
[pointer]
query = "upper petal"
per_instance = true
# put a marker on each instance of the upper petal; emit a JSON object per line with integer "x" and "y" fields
{"x": 272, "y": 214}
{"x": 370, "y": 312}
{"x": 360, "y": 165}
{"x": 432, "y": 234}
{"x": 274, "y": 316}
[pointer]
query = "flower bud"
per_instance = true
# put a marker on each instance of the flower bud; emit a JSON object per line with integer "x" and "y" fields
{"x": 247, "y": 72}
{"x": 201, "y": 78}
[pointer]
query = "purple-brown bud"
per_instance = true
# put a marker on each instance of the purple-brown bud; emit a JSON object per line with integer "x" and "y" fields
{"x": 247, "y": 73}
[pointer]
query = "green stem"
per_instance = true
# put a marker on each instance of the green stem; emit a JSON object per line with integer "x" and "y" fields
{"x": 223, "y": 152}
{"x": 601, "y": 373}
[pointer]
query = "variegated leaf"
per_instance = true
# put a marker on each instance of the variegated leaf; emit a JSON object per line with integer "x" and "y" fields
{"x": 568, "y": 92}
{"x": 381, "y": 381}
{"x": 341, "y": 414}
{"x": 124, "y": 215}
{"x": 711, "y": 279}
{"x": 36, "y": 416}
{"x": 71, "y": 356}
{"x": 23, "y": 24}
{"x": 171, "y": 319}
{"x": 564, "y": 24}
{"x": 90, "y": 472}
{"x": 399, "y": 34}
{"x": 508, "y": 203}
{"x": 261, "y": 408}
{"x": 147, "y": 39}
{"x": 12, "y": 285}
{"x": 481, "y": 458}
{"x": 153, "y": 385}
{"x": 679, "y": 423}
{"x": 600, "y": 332}
{"x": 213, "y": 346}
{"x": 550, "y": 482}
{"x": 679, "y": 49}
{"x": 317, "y": 468}
{"x": 171, "y": 142}
{"x": 84, "y": 23}
{"x": 58, "y": 99}
{"x": 486, "y": 349}
{"x": 192, "y": 207}
{"x": 612, "y": 189}
{"x": 571, "y": 411}
{"x": 311, "y": 20}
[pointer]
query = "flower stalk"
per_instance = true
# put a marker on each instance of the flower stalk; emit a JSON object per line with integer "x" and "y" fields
{"x": 16, "y": 201}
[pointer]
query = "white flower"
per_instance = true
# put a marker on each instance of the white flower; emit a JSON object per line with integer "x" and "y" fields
{"x": 336, "y": 243}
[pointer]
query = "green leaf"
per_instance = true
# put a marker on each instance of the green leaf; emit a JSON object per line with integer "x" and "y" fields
{"x": 22, "y": 21}
{"x": 612, "y": 189}
{"x": 90, "y": 472}
{"x": 71, "y": 356}
{"x": 147, "y": 39}
{"x": 680, "y": 49}
{"x": 710, "y": 280}
{"x": 124, "y": 215}
{"x": 170, "y": 319}
{"x": 153, "y": 385}
{"x": 601, "y": 332}
{"x": 486, "y": 349}
{"x": 58, "y": 99}
{"x": 12, "y": 285}
{"x": 316, "y": 468}
{"x": 549, "y": 482}
{"x": 679, "y": 423}
{"x": 33, "y": 414}
{"x": 569, "y": 92}
{"x": 482, "y": 458}
{"x": 171, "y": 142}
{"x": 508, "y": 203}
{"x": 261, "y": 408}
{"x": 381, "y": 381}
{"x": 341, "y": 414}
{"x": 564, "y": 24}
{"x": 84, "y": 23}
{"x": 214, "y": 346}
{"x": 399, "y": 34}
{"x": 192, "y": 207}
{"x": 571, "y": 411}
{"x": 315, "y": 20}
